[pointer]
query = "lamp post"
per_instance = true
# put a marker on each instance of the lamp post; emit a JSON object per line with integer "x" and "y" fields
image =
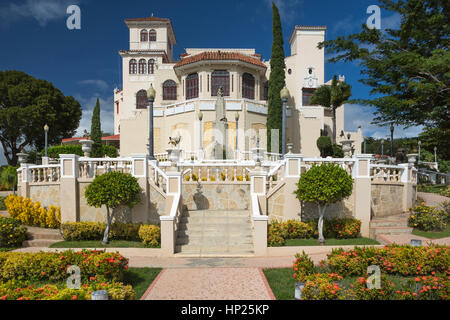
{"x": 365, "y": 143}
{"x": 284, "y": 97}
{"x": 392, "y": 140}
{"x": 236, "y": 117}
{"x": 200, "y": 118}
{"x": 151, "y": 93}
{"x": 46, "y": 128}
{"x": 435, "y": 154}
{"x": 420, "y": 143}
{"x": 382, "y": 147}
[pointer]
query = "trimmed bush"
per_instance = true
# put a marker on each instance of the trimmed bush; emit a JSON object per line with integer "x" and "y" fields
{"x": 298, "y": 230}
{"x": 150, "y": 235}
{"x": 80, "y": 231}
{"x": 46, "y": 266}
{"x": 325, "y": 146}
{"x": 303, "y": 267}
{"x": 55, "y": 151}
{"x": 31, "y": 213}
{"x": 339, "y": 228}
{"x": 277, "y": 234}
{"x": 427, "y": 218}
{"x": 12, "y": 234}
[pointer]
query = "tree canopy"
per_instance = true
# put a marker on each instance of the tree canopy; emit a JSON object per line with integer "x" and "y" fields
{"x": 407, "y": 69}
{"x": 26, "y": 105}
{"x": 276, "y": 80}
{"x": 96, "y": 132}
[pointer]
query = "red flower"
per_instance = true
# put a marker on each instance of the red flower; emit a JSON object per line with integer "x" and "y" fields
{"x": 74, "y": 298}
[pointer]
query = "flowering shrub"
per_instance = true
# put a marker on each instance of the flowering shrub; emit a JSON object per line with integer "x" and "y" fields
{"x": 13, "y": 290}
{"x": 360, "y": 290}
{"x": 303, "y": 267}
{"x": 400, "y": 260}
{"x": 12, "y": 234}
{"x": 339, "y": 228}
{"x": 277, "y": 234}
{"x": 32, "y": 214}
{"x": 427, "y": 218}
{"x": 323, "y": 286}
{"x": 298, "y": 230}
{"x": 150, "y": 235}
{"x": 45, "y": 266}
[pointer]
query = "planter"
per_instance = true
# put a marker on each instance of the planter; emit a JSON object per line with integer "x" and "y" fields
{"x": 86, "y": 147}
{"x": 174, "y": 155}
{"x": 258, "y": 155}
{"x": 412, "y": 157}
{"x": 347, "y": 148}
{"x": 22, "y": 157}
{"x": 299, "y": 286}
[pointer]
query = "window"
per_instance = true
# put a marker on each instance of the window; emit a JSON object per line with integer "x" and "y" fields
{"x": 307, "y": 95}
{"x": 220, "y": 78}
{"x": 169, "y": 90}
{"x": 152, "y": 35}
{"x": 117, "y": 107}
{"x": 133, "y": 66}
{"x": 142, "y": 66}
{"x": 144, "y": 36}
{"x": 266, "y": 91}
{"x": 192, "y": 86}
{"x": 141, "y": 100}
{"x": 151, "y": 66}
{"x": 248, "y": 86}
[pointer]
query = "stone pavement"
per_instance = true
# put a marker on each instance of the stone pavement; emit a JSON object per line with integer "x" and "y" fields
{"x": 406, "y": 239}
{"x": 210, "y": 284}
{"x": 432, "y": 199}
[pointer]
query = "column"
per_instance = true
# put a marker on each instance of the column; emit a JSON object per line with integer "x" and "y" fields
{"x": 292, "y": 208}
{"x": 24, "y": 183}
{"x": 140, "y": 171}
{"x": 260, "y": 219}
{"x": 408, "y": 194}
{"x": 362, "y": 190}
{"x": 68, "y": 188}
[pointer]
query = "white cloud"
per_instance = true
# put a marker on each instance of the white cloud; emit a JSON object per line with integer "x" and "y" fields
{"x": 43, "y": 11}
{"x": 100, "y": 84}
{"x": 357, "y": 115}
{"x": 288, "y": 9}
{"x": 106, "y": 112}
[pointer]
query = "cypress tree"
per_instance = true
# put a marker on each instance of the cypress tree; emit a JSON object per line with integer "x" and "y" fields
{"x": 96, "y": 132}
{"x": 276, "y": 80}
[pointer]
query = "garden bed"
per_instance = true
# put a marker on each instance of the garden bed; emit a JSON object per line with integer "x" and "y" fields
{"x": 92, "y": 244}
{"x": 433, "y": 234}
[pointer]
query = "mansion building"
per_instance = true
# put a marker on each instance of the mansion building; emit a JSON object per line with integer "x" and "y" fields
{"x": 186, "y": 92}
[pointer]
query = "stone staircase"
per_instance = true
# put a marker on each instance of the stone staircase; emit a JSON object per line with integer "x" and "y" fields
{"x": 397, "y": 224}
{"x": 215, "y": 233}
{"x": 40, "y": 237}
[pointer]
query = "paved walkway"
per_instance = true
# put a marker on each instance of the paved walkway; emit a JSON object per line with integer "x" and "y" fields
{"x": 210, "y": 284}
{"x": 432, "y": 199}
{"x": 406, "y": 239}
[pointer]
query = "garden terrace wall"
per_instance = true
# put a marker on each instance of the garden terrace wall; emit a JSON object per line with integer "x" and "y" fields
{"x": 386, "y": 199}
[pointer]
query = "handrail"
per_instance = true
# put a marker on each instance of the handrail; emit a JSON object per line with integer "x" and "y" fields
{"x": 256, "y": 210}
{"x": 173, "y": 210}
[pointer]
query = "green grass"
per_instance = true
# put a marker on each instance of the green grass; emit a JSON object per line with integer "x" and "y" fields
{"x": 438, "y": 188}
{"x": 283, "y": 284}
{"x": 330, "y": 242}
{"x": 2, "y": 204}
{"x": 7, "y": 249}
{"x": 433, "y": 234}
{"x": 140, "y": 279}
{"x": 98, "y": 244}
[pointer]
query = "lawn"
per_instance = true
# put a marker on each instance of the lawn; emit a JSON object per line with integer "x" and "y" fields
{"x": 140, "y": 279}
{"x": 98, "y": 244}
{"x": 283, "y": 284}
{"x": 330, "y": 242}
{"x": 438, "y": 188}
{"x": 433, "y": 234}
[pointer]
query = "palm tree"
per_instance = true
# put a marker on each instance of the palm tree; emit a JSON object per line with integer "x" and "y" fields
{"x": 332, "y": 97}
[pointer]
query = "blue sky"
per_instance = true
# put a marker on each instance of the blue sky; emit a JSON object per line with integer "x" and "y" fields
{"x": 85, "y": 63}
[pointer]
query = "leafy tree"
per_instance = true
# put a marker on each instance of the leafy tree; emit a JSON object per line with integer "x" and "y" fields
{"x": 436, "y": 137}
{"x": 96, "y": 132}
{"x": 325, "y": 146}
{"x": 113, "y": 189}
{"x": 9, "y": 177}
{"x": 26, "y": 105}
{"x": 324, "y": 185}
{"x": 408, "y": 68}
{"x": 276, "y": 80}
{"x": 332, "y": 97}
{"x": 337, "y": 151}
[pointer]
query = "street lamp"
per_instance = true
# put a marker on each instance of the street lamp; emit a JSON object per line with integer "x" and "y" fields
{"x": 284, "y": 97}
{"x": 392, "y": 141}
{"x": 236, "y": 117}
{"x": 200, "y": 118}
{"x": 46, "y": 128}
{"x": 151, "y": 93}
{"x": 365, "y": 142}
{"x": 420, "y": 143}
{"x": 382, "y": 147}
{"x": 435, "y": 154}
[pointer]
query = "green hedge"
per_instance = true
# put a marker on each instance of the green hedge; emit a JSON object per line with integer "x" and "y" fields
{"x": 80, "y": 231}
{"x": 12, "y": 234}
{"x": 55, "y": 151}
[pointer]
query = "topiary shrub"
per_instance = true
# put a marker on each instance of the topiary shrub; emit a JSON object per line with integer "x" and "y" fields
{"x": 12, "y": 234}
{"x": 324, "y": 185}
{"x": 150, "y": 235}
{"x": 113, "y": 189}
{"x": 325, "y": 146}
{"x": 55, "y": 151}
{"x": 337, "y": 151}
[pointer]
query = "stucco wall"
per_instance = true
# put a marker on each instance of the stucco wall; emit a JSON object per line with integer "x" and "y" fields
{"x": 47, "y": 195}
{"x": 216, "y": 196}
{"x": 387, "y": 199}
{"x": 157, "y": 205}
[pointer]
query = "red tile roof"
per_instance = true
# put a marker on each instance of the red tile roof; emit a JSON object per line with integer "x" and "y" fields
{"x": 220, "y": 55}
{"x": 110, "y": 138}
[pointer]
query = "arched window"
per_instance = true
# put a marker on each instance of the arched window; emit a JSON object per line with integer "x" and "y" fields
{"x": 220, "y": 78}
{"x": 141, "y": 99}
{"x": 144, "y": 36}
{"x": 142, "y": 66}
{"x": 133, "y": 66}
{"x": 152, "y": 35}
{"x": 248, "y": 86}
{"x": 169, "y": 90}
{"x": 151, "y": 66}
{"x": 192, "y": 86}
{"x": 266, "y": 91}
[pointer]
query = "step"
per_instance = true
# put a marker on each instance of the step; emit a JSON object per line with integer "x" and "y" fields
{"x": 390, "y": 230}
{"x": 381, "y": 240}
{"x": 218, "y": 214}
{"x": 214, "y": 226}
{"x": 214, "y": 219}
{"x": 39, "y": 243}
{"x": 219, "y": 233}
{"x": 44, "y": 236}
{"x": 387, "y": 223}
{"x": 211, "y": 240}
{"x": 196, "y": 249}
